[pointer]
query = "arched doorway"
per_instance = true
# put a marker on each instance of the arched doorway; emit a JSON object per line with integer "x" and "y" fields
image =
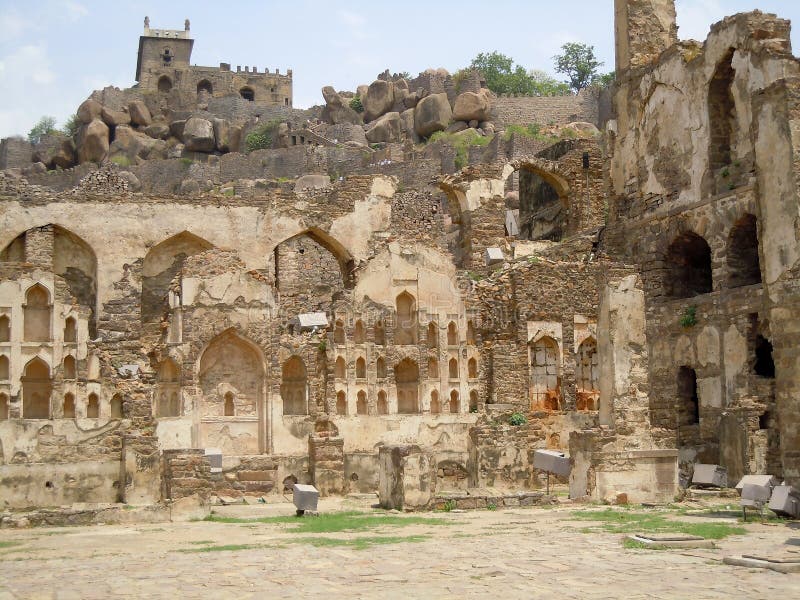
{"x": 37, "y": 387}
{"x": 294, "y": 387}
{"x": 407, "y": 377}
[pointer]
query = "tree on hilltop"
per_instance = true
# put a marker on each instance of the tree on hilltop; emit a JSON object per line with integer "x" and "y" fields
{"x": 578, "y": 63}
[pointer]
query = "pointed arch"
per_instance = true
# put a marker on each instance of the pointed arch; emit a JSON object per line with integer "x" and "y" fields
{"x": 436, "y": 405}
{"x": 162, "y": 263}
{"x": 70, "y": 330}
{"x": 688, "y": 267}
{"x": 4, "y": 367}
{"x": 744, "y": 267}
{"x": 473, "y": 401}
{"x": 406, "y": 329}
{"x": 380, "y": 368}
{"x": 5, "y": 328}
{"x": 116, "y": 406}
{"x": 433, "y": 336}
{"x": 93, "y": 406}
{"x": 433, "y": 367}
{"x": 230, "y": 362}
{"x": 455, "y": 402}
{"x": 294, "y": 387}
{"x": 359, "y": 334}
{"x": 37, "y": 387}
{"x": 472, "y": 368}
{"x": 406, "y": 374}
{"x": 470, "y": 333}
{"x": 70, "y": 371}
{"x": 340, "y": 368}
{"x": 204, "y": 86}
{"x": 341, "y": 403}
{"x": 452, "y": 334}
{"x": 453, "y": 368}
{"x": 383, "y": 404}
{"x": 230, "y": 405}
{"x": 361, "y": 368}
{"x": 338, "y": 332}
{"x": 37, "y": 314}
{"x": 722, "y": 120}
{"x": 68, "y": 408}
{"x": 587, "y": 376}
{"x": 380, "y": 334}
{"x": 361, "y": 403}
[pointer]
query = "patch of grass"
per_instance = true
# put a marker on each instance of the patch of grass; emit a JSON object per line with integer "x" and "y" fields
{"x": 333, "y": 522}
{"x": 262, "y": 136}
{"x": 634, "y": 545}
{"x": 627, "y": 521}
{"x": 223, "y": 548}
{"x": 121, "y": 160}
{"x": 461, "y": 142}
{"x": 202, "y": 542}
{"x": 449, "y": 505}
{"x": 9, "y": 544}
{"x": 360, "y": 543}
{"x": 689, "y": 317}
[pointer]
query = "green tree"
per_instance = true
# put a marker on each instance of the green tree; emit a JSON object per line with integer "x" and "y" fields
{"x": 500, "y": 74}
{"x": 72, "y": 126}
{"x": 546, "y": 85}
{"x": 578, "y": 63}
{"x": 44, "y": 126}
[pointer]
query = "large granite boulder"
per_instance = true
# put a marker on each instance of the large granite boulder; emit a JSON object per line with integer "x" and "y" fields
{"x": 89, "y": 110}
{"x": 387, "y": 128}
{"x": 432, "y": 114}
{"x": 346, "y": 132}
{"x": 222, "y": 132}
{"x": 93, "y": 142}
{"x": 112, "y": 118}
{"x": 378, "y": 100}
{"x": 336, "y": 111}
{"x": 140, "y": 114}
{"x": 198, "y": 135}
{"x": 407, "y": 117}
{"x": 65, "y": 157}
{"x": 471, "y": 106}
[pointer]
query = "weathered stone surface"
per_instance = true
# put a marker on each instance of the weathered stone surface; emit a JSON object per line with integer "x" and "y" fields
{"x": 457, "y": 126}
{"x": 378, "y": 100}
{"x": 89, "y": 110}
{"x": 176, "y": 128}
{"x": 387, "y": 128}
{"x": 93, "y": 142}
{"x": 432, "y": 114}
{"x": 66, "y": 156}
{"x": 407, "y": 116}
{"x": 140, "y": 114}
{"x": 112, "y": 118}
{"x": 346, "y": 132}
{"x": 198, "y": 135}
{"x": 471, "y": 106}
{"x": 222, "y": 131}
{"x": 159, "y": 131}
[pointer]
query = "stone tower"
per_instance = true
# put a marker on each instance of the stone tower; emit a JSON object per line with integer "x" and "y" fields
{"x": 644, "y": 29}
{"x": 163, "y": 50}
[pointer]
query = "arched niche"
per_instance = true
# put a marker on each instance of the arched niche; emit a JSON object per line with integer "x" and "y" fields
{"x": 722, "y": 120}
{"x": 359, "y": 334}
{"x": 164, "y": 84}
{"x": 4, "y": 367}
{"x": 361, "y": 403}
{"x": 436, "y": 405}
{"x": 37, "y": 314}
{"x": 116, "y": 406}
{"x": 161, "y": 265}
{"x": 406, "y": 374}
{"x": 341, "y": 403}
{"x": 452, "y": 368}
{"x": 380, "y": 368}
{"x": 455, "y": 402}
{"x": 543, "y": 203}
{"x": 361, "y": 368}
{"x": 406, "y": 327}
{"x": 587, "y": 376}
{"x": 73, "y": 260}
{"x": 294, "y": 387}
{"x": 230, "y": 363}
{"x": 204, "y": 87}
{"x": 37, "y": 387}
{"x": 452, "y": 334}
{"x": 744, "y": 267}
{"x": 168, "y": 389}
{"x": 383, "y": 403}
{"x": 93, "y": 406}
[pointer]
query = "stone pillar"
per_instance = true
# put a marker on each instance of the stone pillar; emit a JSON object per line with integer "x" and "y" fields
{"x": 407, "y": 477}
{"x": 326, "y": 459}
{"x": 644, "y": 29}
{"x": 140, "y": 470}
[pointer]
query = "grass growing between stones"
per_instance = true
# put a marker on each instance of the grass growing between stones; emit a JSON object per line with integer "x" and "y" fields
{"x": 333, "y": 522}
{"x": 360, "y": 543}
{"x": 626, "y": 521}
{"x": 223, "y": 548}
{"x": 8, "y": 544}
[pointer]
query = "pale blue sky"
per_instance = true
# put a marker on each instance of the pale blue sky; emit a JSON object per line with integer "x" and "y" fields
{"x": 53, "y": 53}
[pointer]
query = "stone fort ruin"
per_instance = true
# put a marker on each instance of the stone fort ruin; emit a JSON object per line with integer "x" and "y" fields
{"x": 350, "y": 306}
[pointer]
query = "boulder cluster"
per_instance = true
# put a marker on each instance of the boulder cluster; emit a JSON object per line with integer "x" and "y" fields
{"x": 132, "y": 134}
{"x": 393, "y": 112}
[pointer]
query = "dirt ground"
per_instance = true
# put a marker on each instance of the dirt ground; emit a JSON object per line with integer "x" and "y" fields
{"x": 509, "y": 553}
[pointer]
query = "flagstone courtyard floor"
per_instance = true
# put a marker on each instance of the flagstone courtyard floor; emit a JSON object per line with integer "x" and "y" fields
{"x": 509, "y": 553}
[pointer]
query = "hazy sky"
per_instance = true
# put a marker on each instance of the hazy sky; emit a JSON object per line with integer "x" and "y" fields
{"x": 53, "y": 53}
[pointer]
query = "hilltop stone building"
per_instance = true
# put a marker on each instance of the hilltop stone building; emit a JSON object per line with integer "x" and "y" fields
{"x": 211, "y": 322}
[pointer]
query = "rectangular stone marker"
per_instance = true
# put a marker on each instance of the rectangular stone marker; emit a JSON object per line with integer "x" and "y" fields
{"x": 309, "y": 321}
{"x": 710, "y": 475}
{"x": 785, "y": 501}
{"x": 493, "y": 256}
{"x": 551, "y": 461}
{"x": 214, "y": 459}
{"x": 305, "y": 497}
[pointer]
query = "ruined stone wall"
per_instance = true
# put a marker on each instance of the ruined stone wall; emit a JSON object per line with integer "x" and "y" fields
{"x": 547, "y": 110}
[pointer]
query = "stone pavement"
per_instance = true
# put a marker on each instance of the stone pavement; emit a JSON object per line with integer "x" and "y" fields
{"x": 512, "y": 553}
